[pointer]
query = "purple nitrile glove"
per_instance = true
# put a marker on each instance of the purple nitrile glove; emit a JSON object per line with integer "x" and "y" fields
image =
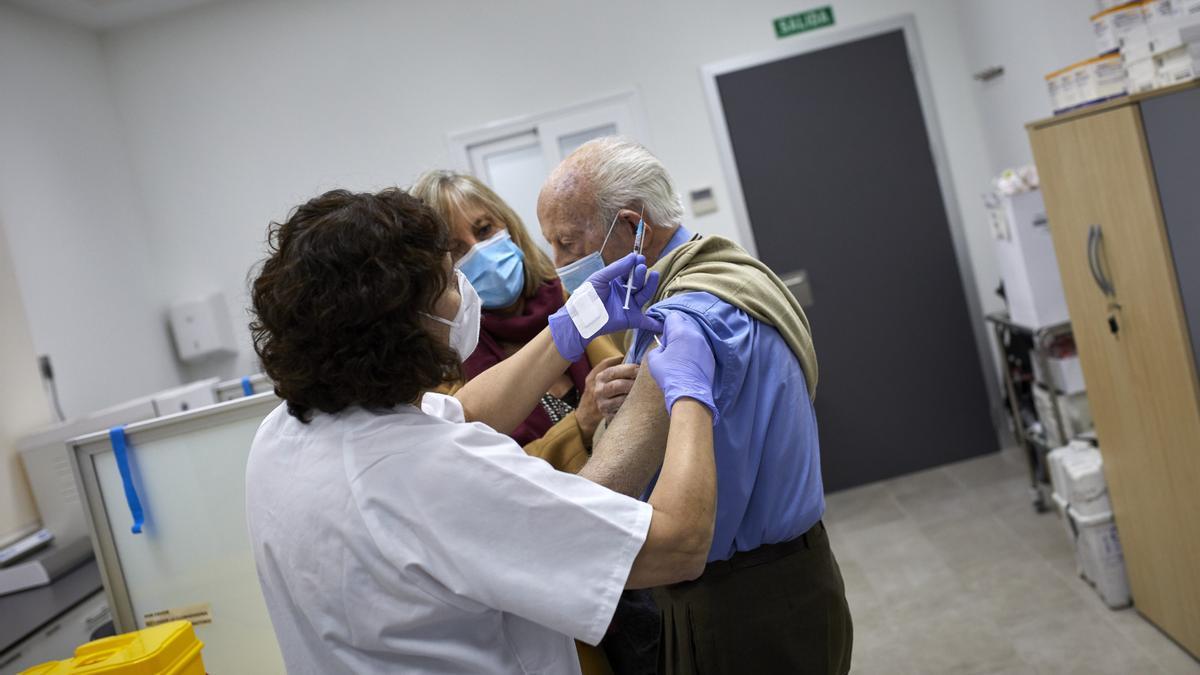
{"x": 598, "y": 306}
{"x": 684, "y": 366}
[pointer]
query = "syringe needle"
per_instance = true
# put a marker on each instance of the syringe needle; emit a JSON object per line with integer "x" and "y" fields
{"x": 637, "y": 247}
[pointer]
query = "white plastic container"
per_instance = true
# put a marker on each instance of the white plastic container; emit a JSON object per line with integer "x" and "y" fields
{"x": 1086, "y": 490}
{"x": 1055, "y": 459}
{"x": 1077, "y": 475}
{"x": 1077, "y": 416}
{"x": 1064, "y": 517}
{"x": 1098, "y": 552}
{"x": 1065, "y": 374}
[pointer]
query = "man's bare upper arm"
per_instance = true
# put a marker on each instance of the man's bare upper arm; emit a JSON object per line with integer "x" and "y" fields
{"x": 632, "y": 447}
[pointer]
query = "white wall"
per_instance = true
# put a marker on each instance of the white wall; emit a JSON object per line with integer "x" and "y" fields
{"x": 235, "y": 112}
{"x": 23, "y": 408}
{"x": 144, "y": 165}
{"x": 1029, "y": 38}
{"x": 73, "y": 218}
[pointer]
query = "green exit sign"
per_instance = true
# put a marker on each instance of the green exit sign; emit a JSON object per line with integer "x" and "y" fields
{"x": 804, "y": 21}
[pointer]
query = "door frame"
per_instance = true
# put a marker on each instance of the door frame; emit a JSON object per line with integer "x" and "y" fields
{"x": 460, "y": 142}
{"x": 907, "y": 26}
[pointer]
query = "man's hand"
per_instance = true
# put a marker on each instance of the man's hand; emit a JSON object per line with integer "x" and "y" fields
{"x": 589, "y": 413}
{"x": 612, "y": 385}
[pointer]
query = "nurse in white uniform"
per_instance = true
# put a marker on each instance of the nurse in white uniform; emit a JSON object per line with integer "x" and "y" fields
{"x": 397, "y": 530}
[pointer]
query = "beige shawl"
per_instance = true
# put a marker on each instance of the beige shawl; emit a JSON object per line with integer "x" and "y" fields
{"x": 717, "y": 265}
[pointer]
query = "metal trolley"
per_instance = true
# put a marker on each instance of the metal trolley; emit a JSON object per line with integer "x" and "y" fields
{"x": 1035, "y": 444}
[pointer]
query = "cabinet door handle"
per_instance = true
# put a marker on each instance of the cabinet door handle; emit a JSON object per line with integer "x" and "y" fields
{"x": 1093, "y": 265}
{"x": 1105, "y": 282}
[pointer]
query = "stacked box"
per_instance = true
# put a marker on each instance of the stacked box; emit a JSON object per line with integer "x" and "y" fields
{"x": 1101, "y": 77}
{"x": 1166, "y": 50}
{"x": 1117, "y": 25}
{"x": 1158, "y": 45}
{"x": 1177, "y": 51}
{"x": 1087, "y": 82}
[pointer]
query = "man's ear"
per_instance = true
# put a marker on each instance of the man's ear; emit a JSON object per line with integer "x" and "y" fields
{"x": 629, "y": 220}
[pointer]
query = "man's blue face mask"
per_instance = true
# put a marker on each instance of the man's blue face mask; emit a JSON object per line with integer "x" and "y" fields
{"x": 574, "y": 274}
{"x": 496, "y": 268}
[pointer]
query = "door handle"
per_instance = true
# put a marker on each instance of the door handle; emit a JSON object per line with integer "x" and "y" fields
{"x": 1094, "y": 242}
{"x": 1091, "y": 256}
{"x": 1105, "y": 283}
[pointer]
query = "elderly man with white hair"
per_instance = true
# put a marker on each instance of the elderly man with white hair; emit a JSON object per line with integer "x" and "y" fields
{"x": 771, "y": 599}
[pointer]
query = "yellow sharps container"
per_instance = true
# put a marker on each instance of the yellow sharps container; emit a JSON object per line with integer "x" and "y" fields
{"x": 169, "y": 648}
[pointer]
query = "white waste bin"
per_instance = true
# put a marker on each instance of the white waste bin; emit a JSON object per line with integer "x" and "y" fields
{"x": 1098, "y": 552}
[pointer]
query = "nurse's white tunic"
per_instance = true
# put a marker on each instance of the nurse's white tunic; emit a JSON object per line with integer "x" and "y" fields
{"x": 412, "y": 541}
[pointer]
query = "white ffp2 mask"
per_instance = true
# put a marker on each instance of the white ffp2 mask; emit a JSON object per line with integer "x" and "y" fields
{"x": 464, "y": 329}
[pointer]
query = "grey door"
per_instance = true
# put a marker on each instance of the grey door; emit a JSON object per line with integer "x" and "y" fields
{"x": 834, "y": 159}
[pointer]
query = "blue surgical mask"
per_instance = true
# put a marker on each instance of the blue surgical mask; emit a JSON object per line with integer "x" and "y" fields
{"x": 496, "y": 268}
{"x": 574, "y": 274}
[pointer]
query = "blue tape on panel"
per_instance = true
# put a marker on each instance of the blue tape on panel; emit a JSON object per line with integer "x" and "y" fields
{"x": 117, "y": 436}
{"x": 247, "y": 388}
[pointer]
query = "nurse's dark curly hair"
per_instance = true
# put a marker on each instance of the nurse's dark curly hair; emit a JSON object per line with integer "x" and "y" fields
{"x": 338, "y": 302}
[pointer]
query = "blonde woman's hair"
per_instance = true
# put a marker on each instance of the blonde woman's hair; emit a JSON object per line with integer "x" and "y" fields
{"x": 449, "y": 193}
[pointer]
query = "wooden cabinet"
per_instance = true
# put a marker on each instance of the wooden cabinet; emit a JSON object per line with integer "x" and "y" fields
{"x": 1101, "y": 188}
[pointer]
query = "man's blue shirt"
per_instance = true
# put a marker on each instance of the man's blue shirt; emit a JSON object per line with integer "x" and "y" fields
{"x": 767, "y": 453}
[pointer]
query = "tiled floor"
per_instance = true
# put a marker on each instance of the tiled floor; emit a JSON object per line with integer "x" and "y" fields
{"x": 951, "y": 571}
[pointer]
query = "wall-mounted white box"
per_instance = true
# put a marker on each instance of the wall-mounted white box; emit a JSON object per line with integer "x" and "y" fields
{"x": 202, "y": 328}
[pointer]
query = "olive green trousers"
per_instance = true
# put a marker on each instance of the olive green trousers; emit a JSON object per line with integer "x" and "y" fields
{"x": 780, "y": 608}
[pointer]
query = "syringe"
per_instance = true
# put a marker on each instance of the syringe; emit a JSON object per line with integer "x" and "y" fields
{"x": 637, "y": 247}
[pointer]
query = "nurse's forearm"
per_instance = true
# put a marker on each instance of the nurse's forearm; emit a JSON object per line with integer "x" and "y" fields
{"x": 503, "y": 396}
{"x": 684, "y": 501}
{"x": 631, "y": 449}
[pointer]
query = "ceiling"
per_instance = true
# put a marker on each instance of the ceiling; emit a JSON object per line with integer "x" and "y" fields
{"x": 104, "y": 14}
